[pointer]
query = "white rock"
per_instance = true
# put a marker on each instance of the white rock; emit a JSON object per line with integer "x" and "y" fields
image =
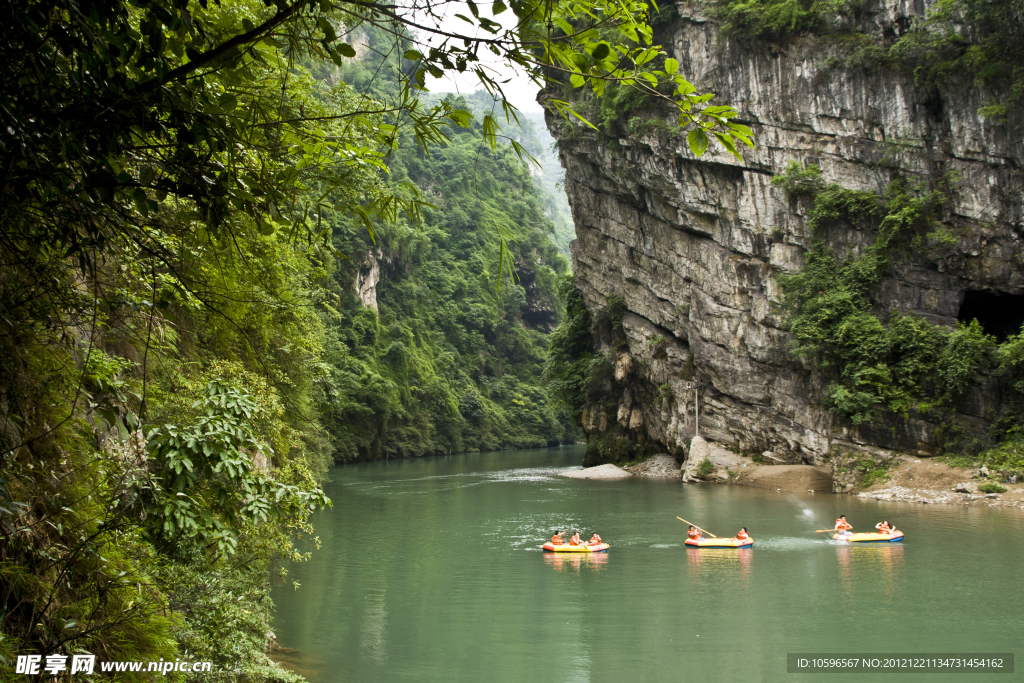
{"x": 608, "y": 471}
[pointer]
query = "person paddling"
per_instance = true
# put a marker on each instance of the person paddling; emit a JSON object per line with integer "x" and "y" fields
{"x": 742, "y": 535}
{"x": 693, "y": 533}
{"x": 594, "y": 540}
{"x": 557, "y": 539}
{"x": 842, "y": 526}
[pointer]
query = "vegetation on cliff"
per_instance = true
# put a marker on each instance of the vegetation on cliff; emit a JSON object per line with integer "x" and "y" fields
{"x": 902, "y": 362}
{"x": 980, "y": 40}
{"x": 580, "y": 373}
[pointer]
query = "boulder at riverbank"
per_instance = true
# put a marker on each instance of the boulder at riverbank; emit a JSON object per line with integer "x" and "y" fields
{"x": 723, "y": 463}
{"x": 599, "y": 472}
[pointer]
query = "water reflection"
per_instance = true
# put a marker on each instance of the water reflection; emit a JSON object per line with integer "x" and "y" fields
{"x": 574, "y": 561}
{"x": 718, "y": 562}
{"x": 868, "y": 559}
{"x": 297, "y": 661}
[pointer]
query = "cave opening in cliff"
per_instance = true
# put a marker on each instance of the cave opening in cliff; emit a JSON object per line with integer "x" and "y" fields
{"x": 1000, "y": 314}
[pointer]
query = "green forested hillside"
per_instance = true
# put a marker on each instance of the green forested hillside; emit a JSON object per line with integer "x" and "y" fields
{"x": 453, "y": 361}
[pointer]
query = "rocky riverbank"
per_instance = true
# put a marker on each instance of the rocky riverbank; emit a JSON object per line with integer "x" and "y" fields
{"x": 915, "y": 480}
{"x": 908, "y": 479}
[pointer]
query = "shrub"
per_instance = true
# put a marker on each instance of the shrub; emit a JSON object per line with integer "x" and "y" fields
{"x": 959, "y": 461}
{"x": 1008, "y": 457}
{"x": 797, "y": 181}
{"x": 991, "y": 487}
{"x": 706, "y": 468}
{"x": 872, "y": 471}
{"x": 833, "y": 322}
{"x": 965, "y": 352}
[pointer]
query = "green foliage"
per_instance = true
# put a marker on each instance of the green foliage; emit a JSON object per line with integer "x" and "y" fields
{"x": 1007, "y": 459}
{"x": 571, "y": 353}
{"x": 182, "y": 184}
{"x": 797, "y": 181}
{"x": 771, "y": 21}
{"x": 205, "y": 485}
{"x": 991, "y": 487}
{"x": 706, "y": 468}
{"x": 959, "y": 461}
{"x": 872, "y": 471}
{"x": 964, "y": 355}
{"x": 227, "y": 610}
{"x": 1011, "y": 360}
{"x": 450, "y": 363}
{"x": 615, "y": 311}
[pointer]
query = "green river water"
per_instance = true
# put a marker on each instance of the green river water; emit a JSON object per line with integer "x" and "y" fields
{"x": 431, "y": 570}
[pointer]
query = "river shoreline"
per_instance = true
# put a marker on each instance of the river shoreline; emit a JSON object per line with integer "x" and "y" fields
{"x": 909, "y": 479}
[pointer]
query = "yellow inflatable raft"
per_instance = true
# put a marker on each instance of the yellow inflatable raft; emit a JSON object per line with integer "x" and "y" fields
{"x": 872, "y": 537}
{"x": 719, "y": 543}
{"x": 566, "y": 548}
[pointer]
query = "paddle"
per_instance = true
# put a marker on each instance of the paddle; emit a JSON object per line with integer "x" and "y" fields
{"x": 697, "y": 527}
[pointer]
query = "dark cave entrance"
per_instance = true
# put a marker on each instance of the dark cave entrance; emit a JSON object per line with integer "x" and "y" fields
{"x": 1000, "y": 314}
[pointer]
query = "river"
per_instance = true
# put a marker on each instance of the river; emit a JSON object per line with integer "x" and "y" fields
{"x": 431, "y": 570}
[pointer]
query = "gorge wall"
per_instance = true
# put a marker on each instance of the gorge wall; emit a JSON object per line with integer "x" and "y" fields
{"x": 690, "y": 249}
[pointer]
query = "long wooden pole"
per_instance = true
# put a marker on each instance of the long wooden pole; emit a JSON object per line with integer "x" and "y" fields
{"x": 696, "y": 412}
{"x": 697, "y": 527}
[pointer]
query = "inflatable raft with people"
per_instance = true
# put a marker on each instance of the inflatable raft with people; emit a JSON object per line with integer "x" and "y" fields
{"x": 719, "y": 542}
{"x": 695, "y": 538}
{"x": 872, "y": 537}
{"x": 557, "y": 544}
{"x": 886, "y": 533}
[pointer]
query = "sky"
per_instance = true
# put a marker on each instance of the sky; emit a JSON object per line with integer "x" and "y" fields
{"x": 519, "y": 90}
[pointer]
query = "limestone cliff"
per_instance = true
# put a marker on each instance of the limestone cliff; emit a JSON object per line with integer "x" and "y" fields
{"x": 694, "y": 247}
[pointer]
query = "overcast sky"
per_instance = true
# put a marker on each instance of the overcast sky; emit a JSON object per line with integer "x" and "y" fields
{"x": 519, "y": 90}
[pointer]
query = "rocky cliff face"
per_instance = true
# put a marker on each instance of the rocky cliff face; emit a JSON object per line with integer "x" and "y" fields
{"x": 694, "y": 247}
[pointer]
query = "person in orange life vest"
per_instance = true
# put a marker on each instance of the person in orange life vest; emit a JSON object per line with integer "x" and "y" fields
{"x": 575, "y": 540}
{"x": 594, "y": 540}
{"x": 557, "y": 538}
{"x": 883, "y": 527}
{"x": 693, "y": 533}
{"x": 743, "y": 535}
{"x": 842, "y": 526}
